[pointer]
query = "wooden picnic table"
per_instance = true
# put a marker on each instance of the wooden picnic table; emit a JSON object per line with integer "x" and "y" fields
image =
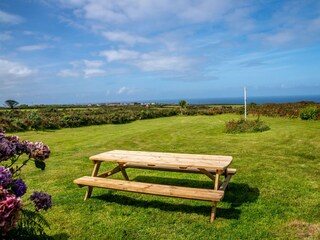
{"x": 213, "y": 166}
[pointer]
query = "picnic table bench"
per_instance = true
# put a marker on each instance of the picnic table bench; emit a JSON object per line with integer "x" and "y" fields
{"x": 212, "y": 166}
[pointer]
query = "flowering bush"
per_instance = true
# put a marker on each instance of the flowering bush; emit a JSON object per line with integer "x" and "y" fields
{"x": 246, "y": 126}
{"x": 13, "y": 188}
{"x": 10, "y": 206}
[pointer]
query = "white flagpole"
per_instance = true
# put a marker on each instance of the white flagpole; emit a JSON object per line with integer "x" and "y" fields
{"x": 245, "y": 103}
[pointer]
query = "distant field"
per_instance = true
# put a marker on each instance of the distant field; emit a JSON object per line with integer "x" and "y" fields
{"x": 274, "y": 195}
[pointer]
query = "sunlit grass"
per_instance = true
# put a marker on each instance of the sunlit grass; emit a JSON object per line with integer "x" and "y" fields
{"x": 275, "y": 193}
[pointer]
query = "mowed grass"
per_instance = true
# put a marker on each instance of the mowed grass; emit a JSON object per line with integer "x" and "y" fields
{"x": 274, "y": 195}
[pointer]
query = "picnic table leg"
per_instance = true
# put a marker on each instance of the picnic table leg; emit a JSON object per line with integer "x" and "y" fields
{"x": 94, "y": 174}
{"x": 216, "y": 186}
{"x": 123, "y": 171}
{"x": 213, "y": 212}
{"x": 225, "y": 178}
{"x": 216, "y": 181}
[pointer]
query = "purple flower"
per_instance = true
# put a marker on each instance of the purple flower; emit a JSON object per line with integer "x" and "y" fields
{"x": 13, "y": 138}
{"x": 25, "y": 148}
{"x": 38, "y": 150}
{"x": 19, "y": 188}
{"x": 7, "y": 149}
{"x": 7, "y": 146}
{"x": 2, "y": 133}
{"x": 41, "y": 200}
{"x": 5, "y": 176}
{"x": 20, "y": 148}
{"x": 10, "y": 206}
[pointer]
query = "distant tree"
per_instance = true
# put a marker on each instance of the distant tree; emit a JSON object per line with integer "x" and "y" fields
{"x": 183, "y": 104}
{"x": 11, "y": 103}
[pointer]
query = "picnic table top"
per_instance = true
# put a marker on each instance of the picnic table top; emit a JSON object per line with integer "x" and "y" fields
{"x": 181, "y": 160}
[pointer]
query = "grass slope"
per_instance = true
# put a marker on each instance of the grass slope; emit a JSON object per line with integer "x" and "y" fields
{"x": 274, "y": 195}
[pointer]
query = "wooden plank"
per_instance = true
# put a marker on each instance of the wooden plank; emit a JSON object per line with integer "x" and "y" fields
{"x": 124, "y": 153}
{"x": 175, "y": 155}
{"x": 154, "y": 189}
{"x": 231, "y": 171}
{"x": 165, "y": 159}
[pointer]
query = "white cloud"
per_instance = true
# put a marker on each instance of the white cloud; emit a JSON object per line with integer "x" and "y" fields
{"x": 11, "y": 72}
{"x": 103, "y": 11}
{"x": 126, "y": 91}
{"x": 299, "y": 34}
{"x": 239, "y": 19}
{"x": 148, "y": 62}
{"x": 124, "y": 37}
{"x": 292, "y": 24}
{"x": 121, "y": 90}
{"x": 28, "y": 33}
{"x": 41, "y": 37}
{"x": 279, "y": 38}
{"x": 66, "y": 73}
{"x": 73, "y": 2}
{"x": 72, "y": 23}
{"x": 158, "y": 62}
{"x": 208, "y": 10}
{"x": 122, "y": 54}
{"x": 93, "y": 64}
{"x": 164, "y": 11}
{"x": 94, "y": 72}
{"x": 30, "y": 48}
{"x": 279, "y": 27}
{"x": 5, "y": 37}
{"x": 9, "y": 18}
{"x": 314, "y": 25}
{"x": 87, "y": 69}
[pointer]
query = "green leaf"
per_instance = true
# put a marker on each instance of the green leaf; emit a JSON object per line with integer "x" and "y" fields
{"x": 40, "y": 164}
{"x": 31, "y": 225}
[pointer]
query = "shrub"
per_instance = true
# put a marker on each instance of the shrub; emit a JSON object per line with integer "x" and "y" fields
{"x": 309, "y": 113}
{"x": 56, "y": 117}
{"x": 290, "y": 110}
{"x": 249, "y": 126}
{"x": 34, "y": 119}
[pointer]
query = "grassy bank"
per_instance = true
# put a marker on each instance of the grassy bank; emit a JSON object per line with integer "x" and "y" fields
{"x": 275, "y": 193}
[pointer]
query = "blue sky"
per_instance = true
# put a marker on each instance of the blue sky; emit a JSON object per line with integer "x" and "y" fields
{"x": 88, "y": 51}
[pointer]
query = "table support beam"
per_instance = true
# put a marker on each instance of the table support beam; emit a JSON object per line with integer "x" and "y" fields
{"x": 123, "y": 171}
{"x": 111, "y": 172}
{"x": 204, "y": 171}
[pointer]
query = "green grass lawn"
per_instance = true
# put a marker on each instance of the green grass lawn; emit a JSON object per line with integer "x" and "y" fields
{"x": 274, "y": 195}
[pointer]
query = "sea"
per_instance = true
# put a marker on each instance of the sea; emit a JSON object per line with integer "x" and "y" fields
{"x": 240, "y": 100}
